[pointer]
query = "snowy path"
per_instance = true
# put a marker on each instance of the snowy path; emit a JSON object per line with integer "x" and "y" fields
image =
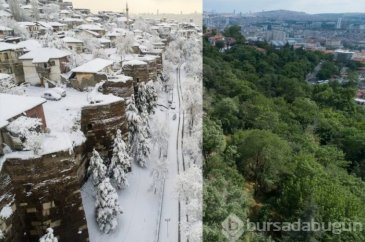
{"x": 169, "y": 229}
{"x": 143, "y": 218}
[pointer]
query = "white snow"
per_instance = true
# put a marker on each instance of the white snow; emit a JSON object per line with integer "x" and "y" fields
{"x": 134, "y": 63}
{"x": 71, "y": 40}
{"x": 42, "y": 55}
{"x": 93, "y": 66}
{"x": 144, "y": 212}
{"x": 29, "y": 44}
{"x": 6, "y": 46}
{"x": 6, "y": 212}
{"x": 13, "y": 105}
{"x": 119, "y": 78}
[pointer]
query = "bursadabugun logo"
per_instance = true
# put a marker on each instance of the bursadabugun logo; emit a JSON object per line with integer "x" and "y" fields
{"x": 233, "y": 227}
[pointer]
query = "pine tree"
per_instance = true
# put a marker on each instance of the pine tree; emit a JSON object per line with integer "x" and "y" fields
{"x": 134, "y": 119}
{"x": 142, "y": 147}
{"x": 97, "y": 168}
{"x": 146, "y": 99}
{"x": 151, "y": 97}
{"x": 120, "y": 162}
{"x": 141, "y": 98}
{"x": 107, "y": 206}
{"x": 48, "y": 237}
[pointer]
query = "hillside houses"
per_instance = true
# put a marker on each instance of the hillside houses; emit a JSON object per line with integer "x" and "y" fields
{"x": 44, "y": 64}
{"x": 99, "y": 63}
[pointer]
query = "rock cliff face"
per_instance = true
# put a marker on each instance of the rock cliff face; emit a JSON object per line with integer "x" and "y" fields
{"x": 47, "y": 194}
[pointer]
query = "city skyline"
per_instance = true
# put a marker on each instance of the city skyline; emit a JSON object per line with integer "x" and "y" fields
{"x": 308, "y": 6}
{"x": 142, "y": 6}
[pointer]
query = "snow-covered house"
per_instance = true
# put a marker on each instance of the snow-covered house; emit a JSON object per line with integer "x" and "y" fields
{"x": 9, "y": 60}
{"x": 14, "y": 106}
{"x": 5, "y": 31}
{"x": 90, "y": 73}
{"x": 71, "y": 22}
{"x": 32, "y": 28}
{"x": 54, "y": 26}
{"x": 105, "y": 43}
{"x": 74, "y": 44}
{"x": 29, "y": 45}
{"x": 45, "y": 63}
{"x": 93, "y": 28}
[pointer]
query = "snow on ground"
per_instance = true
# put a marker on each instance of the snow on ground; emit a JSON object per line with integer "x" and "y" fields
{"x": 62, "y": 118}
{"x": 142, "y": 219}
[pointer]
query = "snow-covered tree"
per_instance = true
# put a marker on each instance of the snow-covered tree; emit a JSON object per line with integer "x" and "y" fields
{"x": 146, "y": 99}
{"x": 107, "y": 206}
{"x": 151, "y": 97}
{"x": 133, "y": 117}
{"x": 142, "y": 147}
{"x": 49, "y": 236}
{"x": 97, "y": 169}
{"x": 35, "y": 9}
{"x": 15, "y": 9}
{"x": 124, "y": 44}
{"x": 9, "y": 86}
{"x": 18, "y": 29}
{"x": 90, "y": 43}
{"x": 120, "y": 162}
{"x": 51, "y": 11}
{"x": 190, "y": 189}
{"x": 28, "y": 131}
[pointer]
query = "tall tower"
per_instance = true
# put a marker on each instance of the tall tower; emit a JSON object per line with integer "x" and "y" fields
{"x": 127, "y": 12}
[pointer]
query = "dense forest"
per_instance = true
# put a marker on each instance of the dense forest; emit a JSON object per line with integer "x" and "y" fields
{"x": 277, "y": 148}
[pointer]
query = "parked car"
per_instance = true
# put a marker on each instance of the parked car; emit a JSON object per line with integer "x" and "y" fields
{"x": 59, "y": 91}
{"x": 174, "y": 116}
{"x": 173, "y": 105}
{"x": 51, "y": 95}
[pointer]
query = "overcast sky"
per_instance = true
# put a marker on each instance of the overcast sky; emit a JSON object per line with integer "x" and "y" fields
{"x": 309, "y": 6}
{"x": 142, "y": 6}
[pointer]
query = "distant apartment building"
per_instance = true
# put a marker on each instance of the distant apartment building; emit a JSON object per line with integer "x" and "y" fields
{"x": 275, "y": 35}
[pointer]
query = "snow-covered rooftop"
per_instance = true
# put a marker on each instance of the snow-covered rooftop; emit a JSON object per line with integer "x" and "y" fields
{"x": 42, "y": 55}
{"x": 71, "y": 40}
{"x": 134, "y": 63}
{"x": 93, "y": 66}
{"x": 92, "y": 27}
{"x": 4, "y": 28}
{"x": 13, "y": 105}
{"x": 29, "y": 44}
{"x": 119, "y": 78}
{"x": 7, "y": 46}
{"x": 4, "y": 13}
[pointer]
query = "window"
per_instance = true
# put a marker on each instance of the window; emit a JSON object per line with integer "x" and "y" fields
{"x": 89, "y": 126}
{"x": 52, "y": 63}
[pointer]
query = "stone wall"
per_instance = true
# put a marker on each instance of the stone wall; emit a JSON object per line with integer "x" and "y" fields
{"x": 138, "y": 72}
{"x": 100, "y": 122}
{"x": 47, "y": 194}
{"x": 12, "y": 227}
{"x": 120, "y": 89}
{"x": 85, "y": 80}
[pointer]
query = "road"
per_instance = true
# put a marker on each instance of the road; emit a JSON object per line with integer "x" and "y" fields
{"x": 171, "y": 213}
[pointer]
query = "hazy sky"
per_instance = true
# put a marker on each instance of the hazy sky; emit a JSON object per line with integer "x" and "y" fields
{"x": 309, "y": 6}
{"x": 142, "y": 6}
